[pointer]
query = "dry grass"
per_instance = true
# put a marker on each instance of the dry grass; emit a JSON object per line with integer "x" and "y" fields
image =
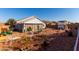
{"x": 57, "y": 41}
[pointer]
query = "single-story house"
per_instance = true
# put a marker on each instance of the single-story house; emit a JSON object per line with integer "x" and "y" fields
{"x": 32, "y": 22}
{"x": 62, "y": 24}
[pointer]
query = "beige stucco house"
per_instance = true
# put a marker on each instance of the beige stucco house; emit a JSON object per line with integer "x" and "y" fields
{"x": 33, "y": 22}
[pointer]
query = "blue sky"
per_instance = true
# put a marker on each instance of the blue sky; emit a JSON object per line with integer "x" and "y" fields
{"x": 51, "y": 14}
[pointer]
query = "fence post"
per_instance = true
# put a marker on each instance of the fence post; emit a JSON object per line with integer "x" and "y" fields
{"x": 76, "y": 43}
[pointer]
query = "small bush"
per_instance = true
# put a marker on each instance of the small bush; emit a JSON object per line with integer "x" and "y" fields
{"x": 4, "y": 33}
{"x": 29, "y": 29}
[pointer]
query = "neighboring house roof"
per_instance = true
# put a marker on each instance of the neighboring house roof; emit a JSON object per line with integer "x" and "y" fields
{"x": 31, "y": 20}
{"x": 63, "y": 21}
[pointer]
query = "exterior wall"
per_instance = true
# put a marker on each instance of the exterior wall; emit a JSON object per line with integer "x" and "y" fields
{"x": 19, "y": 27}
{"x": 35, "y": 27}
{"x": 22, "y": 27}
{"x": 61, "y": 26}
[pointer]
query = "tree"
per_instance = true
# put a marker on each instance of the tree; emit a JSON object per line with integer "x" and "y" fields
{"x": 11, "y": 22}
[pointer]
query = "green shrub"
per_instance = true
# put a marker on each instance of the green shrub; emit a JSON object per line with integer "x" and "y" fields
{"x": 9, "y": 32}
{"x": 4, "y": 33}
{"x": 29, "y": 29}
